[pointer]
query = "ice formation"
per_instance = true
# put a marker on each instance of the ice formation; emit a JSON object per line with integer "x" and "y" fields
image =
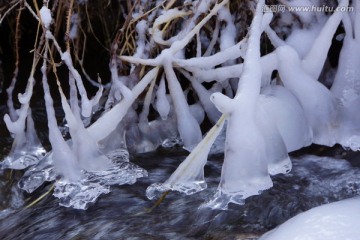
{"x": 190, "y": 69}
{"x": 330, "y": 221}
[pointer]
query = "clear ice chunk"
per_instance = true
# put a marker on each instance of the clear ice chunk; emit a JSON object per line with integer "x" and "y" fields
{"x": 36, "y": 175}
{"x": 119, "y": 174}
{"x": 81, "y": 194}
{"x": 78, "y": 195}
{"x": 22, "y": 159}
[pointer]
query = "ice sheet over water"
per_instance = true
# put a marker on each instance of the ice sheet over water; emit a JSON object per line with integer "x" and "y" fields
{"x": 36, "y": 175}
{"x": 80, "y": 194}
{"x": 22, "y": 159}
{"x": 85, "y": 191}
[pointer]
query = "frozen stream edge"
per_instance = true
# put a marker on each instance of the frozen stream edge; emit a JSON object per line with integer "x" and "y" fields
{"x": 80, "y": 193}
{"x": 313, "y": 181}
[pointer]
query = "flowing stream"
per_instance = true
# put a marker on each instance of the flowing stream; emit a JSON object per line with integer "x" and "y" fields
{"x": 126, "y": 213}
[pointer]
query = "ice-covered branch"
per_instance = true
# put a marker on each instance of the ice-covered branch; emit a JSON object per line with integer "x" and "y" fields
{"x": 108, "y": 122}
{"x": 86, "y": 103}
{"x": 244, "y": 172}
{"x": 188, "y": 127}
{"x": 268, "y": 63}
{"x": 314, "y": 60}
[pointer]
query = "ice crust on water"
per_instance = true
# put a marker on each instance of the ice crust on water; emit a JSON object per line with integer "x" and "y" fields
{"x": 79, "y": 194}
{"x": 36, "y": 175}
{"x": 22, "y": 159}
{"x": 338, "y": 220}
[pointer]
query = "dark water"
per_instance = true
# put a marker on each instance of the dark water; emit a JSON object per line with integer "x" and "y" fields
{"x": 124, "y": 213}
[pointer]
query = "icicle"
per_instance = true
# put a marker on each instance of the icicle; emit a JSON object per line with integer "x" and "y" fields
{"x": 108, "y": 122}
{"x": 143, "y": 118}
{"x": 346, "y": 88}
{"x": 275, "y": 148}
{"x": 117, "y": 84}
{"x": 228, "y": 33}
{"x": 26, "y": 149}
{"x": 18, "y": 126}
{"x": 189, "y": 176}
{"x": 314, "y": 60}
{"x": 86, "y": 104}
{"x": 188, "y": 127}
{"x": 10, "y": 103}
{"x": 162, "y": 104}
{"x": 283, "y": 125}
{"x": 84, "y": 146}
{"x": 288, "y": 116}
{"x": 197, "y": 111}
{"x": 74, "y": 101}
{"x": 204, "y": 96}
{"x": 346, "y": 84}
{"x": 244, "y": 172}
{"x": 64, "y": 159}
{"x": 317, "y": 101}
